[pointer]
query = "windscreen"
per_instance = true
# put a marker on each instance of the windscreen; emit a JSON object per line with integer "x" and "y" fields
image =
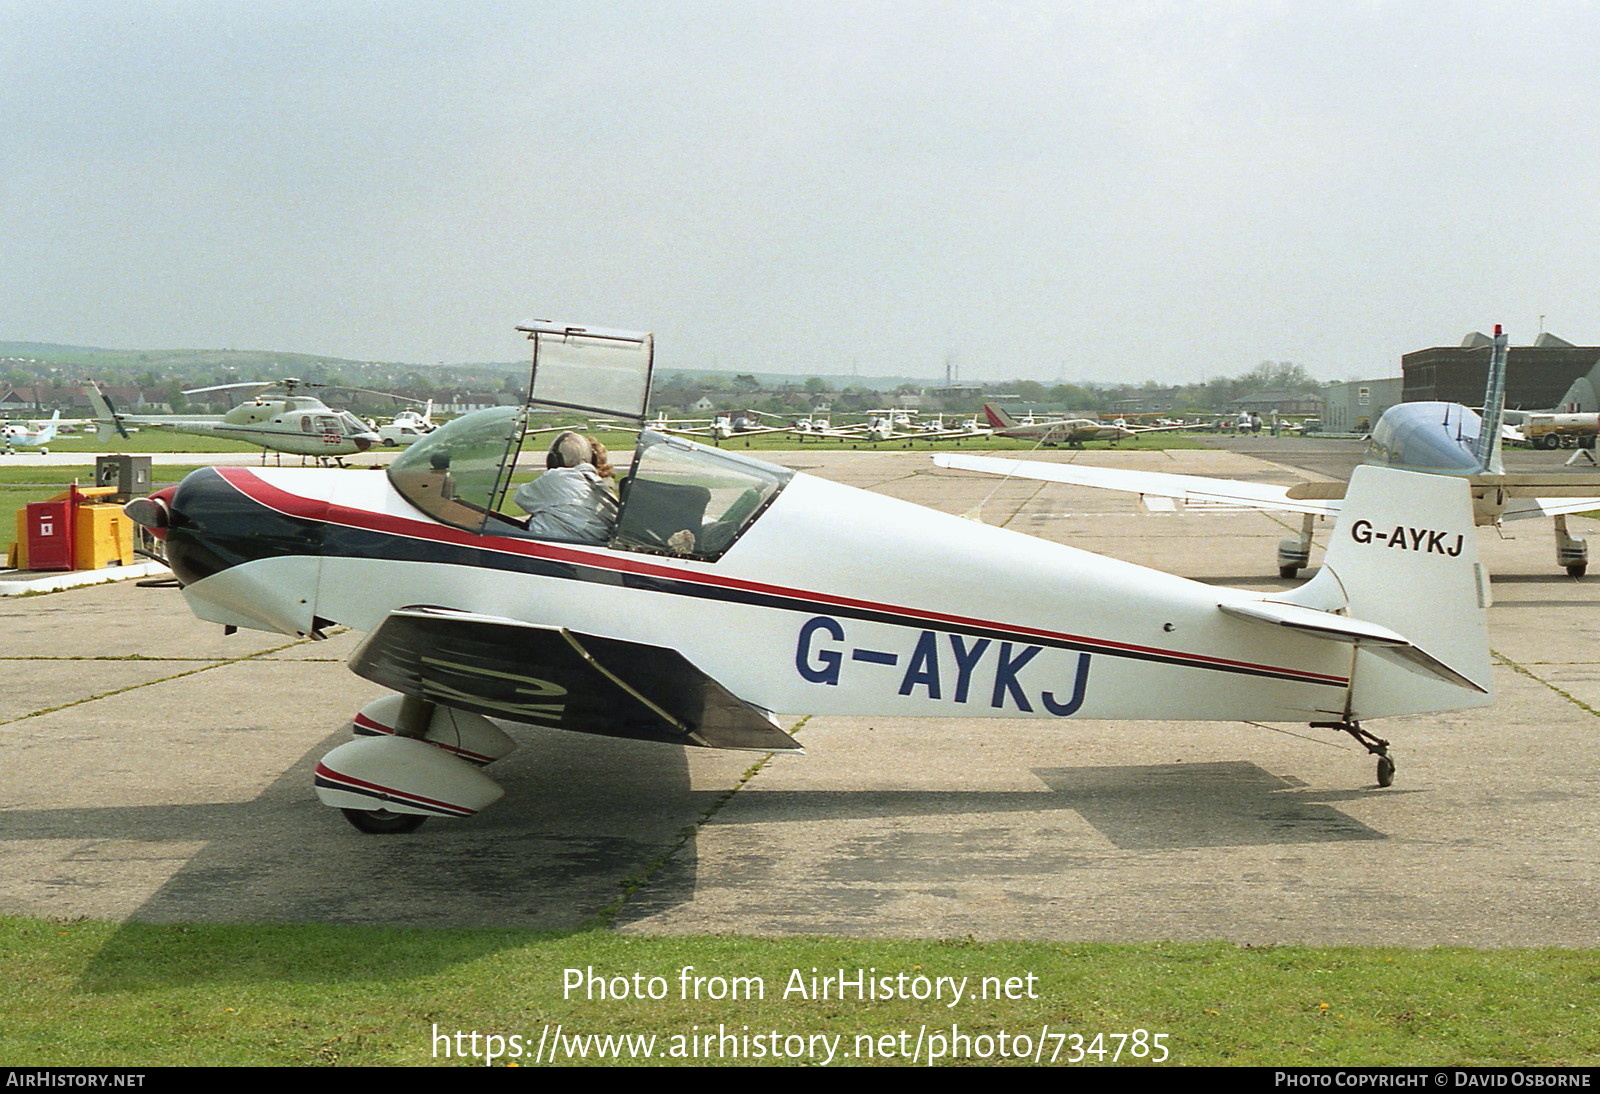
{"x": 458, "y": 473}
{"x": 688, "y": 500}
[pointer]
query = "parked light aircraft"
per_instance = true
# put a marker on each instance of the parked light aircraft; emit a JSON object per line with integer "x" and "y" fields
{"x": 897, "y": 426}
{"x": 721, "y": 428}
{"x": 301, "y": 425}
{"x": 407, "y": 427}
{"x": 731, "y": 589}
{"x": 13, "y": 435}
{"x": 1073, "y": 432}
{"x": 1434, "y": 438}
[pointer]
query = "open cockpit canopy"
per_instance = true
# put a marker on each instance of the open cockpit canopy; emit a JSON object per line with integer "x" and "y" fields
{"x": 590, "y": 369}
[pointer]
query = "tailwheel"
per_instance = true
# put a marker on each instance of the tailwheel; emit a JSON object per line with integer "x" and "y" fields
{"x": 1385, "y": 770}
{"x": 381, "y": 822}
{"x": 1374, "y": 744}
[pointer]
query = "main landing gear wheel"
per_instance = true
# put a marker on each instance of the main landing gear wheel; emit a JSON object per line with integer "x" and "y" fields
{"x": 1578, "y": 569}
{"x": 381, "y": 822}
{"x": 1288, "y": 571}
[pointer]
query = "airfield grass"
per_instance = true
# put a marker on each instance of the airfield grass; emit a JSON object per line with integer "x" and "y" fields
{"x": 22, "y": 485}
{"x": 97, "y": 994}
{"x": 139, "y": 442}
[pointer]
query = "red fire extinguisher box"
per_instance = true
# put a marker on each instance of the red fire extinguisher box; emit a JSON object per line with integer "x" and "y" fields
{"x": 49, "y": 529}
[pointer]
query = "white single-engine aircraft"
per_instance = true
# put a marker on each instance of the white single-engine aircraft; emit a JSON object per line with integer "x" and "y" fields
{"x": 731, "y": 589}
{"x": 1433, "y": 438}
{"x": 1072, "y": 432}
{"x": 41, "y": 435}
{"x": 721, "y": 428}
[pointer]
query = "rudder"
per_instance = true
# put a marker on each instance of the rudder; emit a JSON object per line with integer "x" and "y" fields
{"x": 1404, "y": 555}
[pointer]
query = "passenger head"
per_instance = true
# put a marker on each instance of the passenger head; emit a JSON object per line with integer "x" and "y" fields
{"x": 569, "y": 450}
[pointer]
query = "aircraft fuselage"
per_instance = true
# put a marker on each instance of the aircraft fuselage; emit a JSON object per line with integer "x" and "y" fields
{"x": 835, "y": 600}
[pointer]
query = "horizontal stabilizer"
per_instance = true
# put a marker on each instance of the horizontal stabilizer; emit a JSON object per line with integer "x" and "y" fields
{"x": 1338, "y": 628}
{"x": 550, "y": 676}
{"x": 1316, "y": 491}
{"x": 1527, "y": 508}
{"x": 1534, "y": 484}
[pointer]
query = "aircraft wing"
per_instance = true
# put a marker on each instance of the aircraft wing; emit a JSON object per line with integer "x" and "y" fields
{"x": 1186, "y": 427}
{"x": 1321, "y": 499}
{"x": 837, "y": 434}
{"x": 1537, "y": 494}
{"x": 1535, "y": 485}
{"x": 550, "y": 676}
{"x": 1527, "y": 508}
{"x": 947, "y": 434}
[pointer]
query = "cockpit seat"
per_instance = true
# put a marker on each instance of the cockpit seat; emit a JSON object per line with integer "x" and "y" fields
{"x": 653, "y": 512}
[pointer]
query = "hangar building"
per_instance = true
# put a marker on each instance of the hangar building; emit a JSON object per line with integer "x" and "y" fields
{"x": 1537, "y": 376}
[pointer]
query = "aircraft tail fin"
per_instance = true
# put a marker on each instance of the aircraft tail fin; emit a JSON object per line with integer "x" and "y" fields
{"x": 1494, "y": 407}
{"x": 1581, "y": 397}
{"x": 1403, "y": 558}
{"x": 998, "y": 418}
{"x": 106, "y": 418}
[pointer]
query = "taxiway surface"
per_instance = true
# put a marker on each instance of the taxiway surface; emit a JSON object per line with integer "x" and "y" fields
{"x": 155, "y": 769}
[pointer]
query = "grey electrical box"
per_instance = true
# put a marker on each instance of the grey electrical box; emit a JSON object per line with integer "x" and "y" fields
{"x": 129, "y": 474}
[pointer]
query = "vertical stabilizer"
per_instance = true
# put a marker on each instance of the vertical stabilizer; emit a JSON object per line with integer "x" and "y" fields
{"x": 1494, "y": 408}
{"x": 998, "y": 419}
{"x": 106, "y": 419}
{"x": 1404, "y": 555}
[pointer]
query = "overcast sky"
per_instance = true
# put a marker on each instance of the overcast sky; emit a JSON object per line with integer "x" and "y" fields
{"x": 1112, "y": 191}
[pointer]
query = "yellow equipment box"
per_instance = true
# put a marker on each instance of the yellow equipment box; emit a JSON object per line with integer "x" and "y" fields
{"x": 102, "y": 534}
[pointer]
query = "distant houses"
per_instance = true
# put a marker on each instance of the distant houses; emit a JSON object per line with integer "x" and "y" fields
{"x": 73, "y": 400}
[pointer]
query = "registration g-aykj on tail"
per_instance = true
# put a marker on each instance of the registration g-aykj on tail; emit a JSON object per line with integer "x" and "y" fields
{"x": 730, "y": 589}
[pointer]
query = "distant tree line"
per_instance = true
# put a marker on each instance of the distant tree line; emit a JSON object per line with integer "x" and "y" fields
{"x": 168, "y": 373}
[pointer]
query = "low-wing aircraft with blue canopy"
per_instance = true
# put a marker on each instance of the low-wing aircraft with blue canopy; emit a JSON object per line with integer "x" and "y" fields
{"x": 729, "y": 590}
{"x": 1431, "y": 438}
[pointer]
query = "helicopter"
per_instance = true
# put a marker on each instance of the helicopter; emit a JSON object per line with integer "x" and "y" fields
{"x": 299, "y": 424}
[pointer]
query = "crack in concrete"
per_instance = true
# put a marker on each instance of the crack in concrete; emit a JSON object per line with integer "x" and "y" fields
{"x": 206, "y": 667}
{"x": 1524, "y": 671}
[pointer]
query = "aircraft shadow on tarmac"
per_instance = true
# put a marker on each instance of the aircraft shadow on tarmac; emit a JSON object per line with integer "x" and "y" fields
{"x": 585, "y": 816}
{"x": 1143, "y": 808}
